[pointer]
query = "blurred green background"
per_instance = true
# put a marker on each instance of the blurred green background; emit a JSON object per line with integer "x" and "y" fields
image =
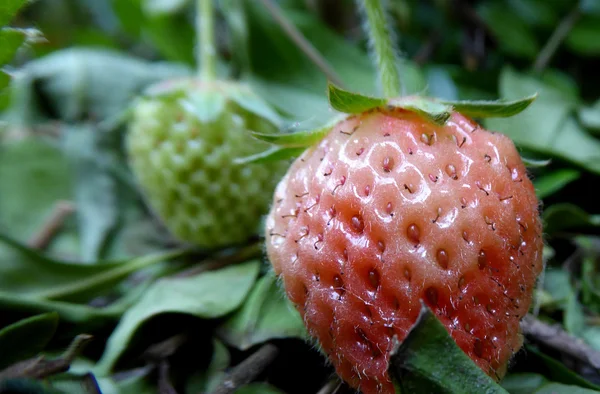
{"x": 62, "y": 156}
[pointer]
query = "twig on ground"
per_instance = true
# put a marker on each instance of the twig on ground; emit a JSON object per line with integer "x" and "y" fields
{"x": 161, "y": 350}
{"x": 248, "y": 370}
{"x": 40, "y": 368}
{"x": 62, "y": 210}
{"x": 305, "y": 46}
{"x": 555, "y": 337}
{"x": 164, "y": 381}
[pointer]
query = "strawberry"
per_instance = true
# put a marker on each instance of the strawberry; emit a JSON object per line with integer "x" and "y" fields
{"x": 390, "y": 209}
{"x": 182, "y": 141}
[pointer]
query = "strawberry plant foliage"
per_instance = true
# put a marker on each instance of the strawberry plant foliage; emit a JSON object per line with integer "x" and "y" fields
{"x": 11, "y": 39}
{"x": 416, "y": 367}
{"x": 404, "y": 232}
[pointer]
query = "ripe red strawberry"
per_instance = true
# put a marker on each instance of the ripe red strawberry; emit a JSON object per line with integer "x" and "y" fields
{"x": 390, "y": 209}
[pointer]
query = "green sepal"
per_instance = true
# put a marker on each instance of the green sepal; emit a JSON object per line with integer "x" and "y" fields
{"x": 416, "y": 366}
{"x": 352, "y": 103}
{"x": 206, "y": 105}
{"x": 275, "y": 153}
{"x": 491, "y": 109}
{"x": 535, "y": 163}
{"x": 299, "y": 139}
{"x": 433, "y": 111}
{"x": 243, "y": 96}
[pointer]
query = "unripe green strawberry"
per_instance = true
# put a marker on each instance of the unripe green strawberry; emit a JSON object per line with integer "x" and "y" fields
{"x": 389, "y": 210}
{"x": 182, "y": 142}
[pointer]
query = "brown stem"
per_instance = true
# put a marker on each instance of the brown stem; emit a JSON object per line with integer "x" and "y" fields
{"x": 555, "y": 337}
{"x": 248, "y": 370}
{"x": 62, "y": 210}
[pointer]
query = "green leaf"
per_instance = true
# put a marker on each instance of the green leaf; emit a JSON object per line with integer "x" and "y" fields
{"x": 252, "y": 103}
{"x": 535, "y": 163}
{"x": 299, "y": 139}
{"x": 563, "y": 216}
{"x": 584, "y": 36}
{"x": 8, "y": 9}
{"x": 293, "y": 68}
{"x": 296, "y": 103}
{"x": 82, "y": 315}
{"x": 234, "y": 13}
{"x": 172, "y": 34}
{"x": 351, "y": 103}
{"x": 82, "y": 81}
{"x": 590, "y": 7}
{"x": 523, "y": 383}
{"x": 537, "y": 12}
{"x": 26, "y": 338}
{"x": 208, "y": 295}
{"x": 162, "y": 7}
{"x": 557, "y": 370}
{"x": 557, "y": 388}
{"x": 574, "y": 319}
{"x": 510, "y": 31}
{"x": 440, "y": 83}
{"x": 208, "y": 380}
{"x": 96, "y": 189}
{"x": 417, "y": 368}
{"x": 218, "y": 365}
{"x": 590, "y": 116}
{"x": 590, "y": 275}
{"x": 266, "y": 314}
{"x": 591, "y": 335}
{"x": 557, "y": 283}
{"x": 33, "y": 275}
{"x": 549, "y": 184}
{"x": 32, "y": 188}
{"x": 10, "y": 41}
{"x": 206, "y": 105}
{"x": 548, "y": 126}
{"x": 491, "y": 109}
{"x": 275, "y": 153}
{"x": 71, "y": 382}
{"x": 4, "y": 80}
{"x": 431, "y": 110}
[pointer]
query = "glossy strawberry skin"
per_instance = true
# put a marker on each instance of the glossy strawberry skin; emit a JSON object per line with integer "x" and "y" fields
{"x": 389, "y": 210}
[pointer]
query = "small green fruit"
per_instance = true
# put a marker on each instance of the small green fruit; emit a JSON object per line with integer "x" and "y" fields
{"x": 182, "y": 142}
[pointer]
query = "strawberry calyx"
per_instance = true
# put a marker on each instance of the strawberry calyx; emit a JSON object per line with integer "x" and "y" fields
{"x": 346, "y": 103}
{"x": 206, "y": 99}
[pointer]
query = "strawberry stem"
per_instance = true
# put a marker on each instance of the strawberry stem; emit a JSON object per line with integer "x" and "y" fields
{"x": 205, "y": 40}
{"x": 382, "y": 46}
